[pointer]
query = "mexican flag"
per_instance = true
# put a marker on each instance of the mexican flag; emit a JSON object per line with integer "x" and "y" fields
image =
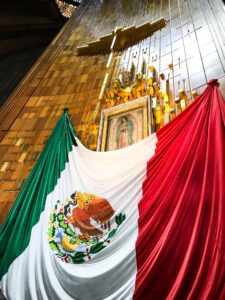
{"x": 143, "y": 222}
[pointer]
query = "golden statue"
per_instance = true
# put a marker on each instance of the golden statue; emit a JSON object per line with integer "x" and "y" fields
{"x": 139, "y": 87}
{"x": 119, "y": 91}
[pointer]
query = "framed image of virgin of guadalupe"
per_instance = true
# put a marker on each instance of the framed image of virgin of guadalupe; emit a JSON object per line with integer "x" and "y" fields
{"x": 124, "y": 124}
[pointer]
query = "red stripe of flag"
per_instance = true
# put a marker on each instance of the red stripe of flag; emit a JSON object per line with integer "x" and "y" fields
{"x": 180, "y": 248}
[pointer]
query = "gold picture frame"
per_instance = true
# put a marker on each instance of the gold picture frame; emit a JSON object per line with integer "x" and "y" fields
{"x": 124, "y": 124}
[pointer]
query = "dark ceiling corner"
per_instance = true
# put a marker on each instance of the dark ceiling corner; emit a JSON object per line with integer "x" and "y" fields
{"x": 28, "y": 23}
{"x": 26, "y": 29}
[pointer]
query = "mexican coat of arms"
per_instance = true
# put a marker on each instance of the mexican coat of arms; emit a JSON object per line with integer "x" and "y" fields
{"x": 81, "y": 227}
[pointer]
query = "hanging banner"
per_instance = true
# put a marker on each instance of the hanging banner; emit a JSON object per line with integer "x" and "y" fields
{"x": 143, "y": 222}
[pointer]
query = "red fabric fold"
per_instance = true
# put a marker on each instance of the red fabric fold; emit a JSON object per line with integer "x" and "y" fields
{"x": 180, "y": 249}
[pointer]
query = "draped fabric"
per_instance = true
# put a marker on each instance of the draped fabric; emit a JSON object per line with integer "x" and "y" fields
{"x": 143, "y": 222}
{"x": 181, "y": 243}
{"x": 16, "y": 230}
{"x": 109, "y": 273}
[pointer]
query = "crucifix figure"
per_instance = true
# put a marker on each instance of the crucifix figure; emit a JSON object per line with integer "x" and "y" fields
{"x": 118, "y": 40}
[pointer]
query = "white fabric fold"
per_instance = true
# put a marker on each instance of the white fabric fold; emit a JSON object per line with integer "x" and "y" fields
{"x": 110, "y": 274}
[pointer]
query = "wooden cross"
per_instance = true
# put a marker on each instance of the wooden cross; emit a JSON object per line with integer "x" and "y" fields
{"x": 118, "y": 40}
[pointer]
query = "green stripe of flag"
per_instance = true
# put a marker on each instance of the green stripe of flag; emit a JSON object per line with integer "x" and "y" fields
{"x": 16, "y": 230}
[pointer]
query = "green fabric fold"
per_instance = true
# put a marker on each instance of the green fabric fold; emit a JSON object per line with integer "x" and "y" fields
{"x": 16, "y": 230}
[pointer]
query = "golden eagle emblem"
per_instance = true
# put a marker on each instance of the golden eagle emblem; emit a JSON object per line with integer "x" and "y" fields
{"x": 89, "y": 206}
{"x": 82, "y": 226}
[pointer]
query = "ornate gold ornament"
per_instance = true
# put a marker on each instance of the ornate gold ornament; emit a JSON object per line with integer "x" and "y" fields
{"x": 117, "y": 93}
{"x": 125, "y": 88}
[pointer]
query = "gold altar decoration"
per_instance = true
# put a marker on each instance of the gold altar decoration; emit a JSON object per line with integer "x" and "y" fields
{"x": 118, "y": 40}
{"x": 118, "y": 97}
{"x": 126, "y": 85}
{"x": 142, "y": 76}
{"x": 125, "y": 88}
